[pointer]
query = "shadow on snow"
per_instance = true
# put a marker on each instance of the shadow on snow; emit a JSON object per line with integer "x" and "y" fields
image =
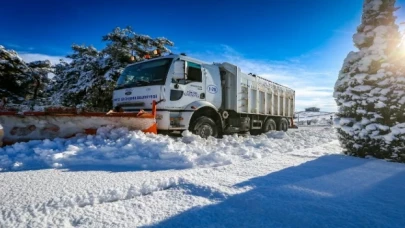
{"x": 332, "y": 191}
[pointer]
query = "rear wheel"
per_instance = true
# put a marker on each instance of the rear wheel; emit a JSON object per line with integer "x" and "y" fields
{"x": 283, "y": 124}
{"x": 204, "y": 127}
{"x": 269, "y": 125}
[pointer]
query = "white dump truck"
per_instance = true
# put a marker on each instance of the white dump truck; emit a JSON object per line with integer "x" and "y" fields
{"x": 207, "y": 99}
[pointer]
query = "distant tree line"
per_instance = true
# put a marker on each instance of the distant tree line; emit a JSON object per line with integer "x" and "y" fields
{"x": 86, "y": 81}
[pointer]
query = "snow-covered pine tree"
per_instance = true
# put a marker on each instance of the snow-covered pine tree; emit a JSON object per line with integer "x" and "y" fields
{"x": 72, "y": 81}
{"x": 39, "y": 71}
{"x": 13, "y": 79}
{"x": 122, "y": 43}
{"x": 19, "y": 80}
{"x": 89, "y": 80}
{"x": 370, "y": 88}
{"x": 62, "y": 81}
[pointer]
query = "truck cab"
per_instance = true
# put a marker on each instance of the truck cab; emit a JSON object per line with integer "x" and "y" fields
{"x": 181, "y": 85}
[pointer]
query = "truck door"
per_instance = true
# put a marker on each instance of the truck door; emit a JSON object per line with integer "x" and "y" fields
{"x": 192, "y": 89}
{"x": 195, "y": 87}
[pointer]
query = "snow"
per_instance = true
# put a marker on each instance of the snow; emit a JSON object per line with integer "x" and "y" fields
{"x": 294, "y": 179}
{"x": 134, "y": 150}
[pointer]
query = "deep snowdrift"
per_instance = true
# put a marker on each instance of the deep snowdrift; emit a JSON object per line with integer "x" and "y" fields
{"x": 120, "y": 149}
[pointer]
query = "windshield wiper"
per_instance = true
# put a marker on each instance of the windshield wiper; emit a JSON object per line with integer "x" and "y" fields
{"x": 142, "y": 82}
{"x": 136, "y": 83}
{"x": 122, "y": 86}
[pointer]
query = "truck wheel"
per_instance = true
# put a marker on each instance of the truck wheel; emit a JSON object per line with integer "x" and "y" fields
{"x": 269, "y": 125}
{"x": 283, "y": 125}
{"x": 204, "y": 127}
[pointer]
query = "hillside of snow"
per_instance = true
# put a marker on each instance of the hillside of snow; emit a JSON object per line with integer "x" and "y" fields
{"x": 121, "y": 178}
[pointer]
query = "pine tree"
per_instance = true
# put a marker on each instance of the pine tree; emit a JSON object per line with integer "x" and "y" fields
{"x": 89, "y": 80}
{"x": 122, "y": 43}
{"x": 13, "y": 79}
{"x": 72, "y": 80}
{"x": 62, "y": 81}
{"x": 36, "y": 90}
{"x": 370, "y": 88}
{"x": 20, "y": 80}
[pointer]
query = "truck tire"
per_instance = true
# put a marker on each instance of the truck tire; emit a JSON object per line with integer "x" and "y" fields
{"x": 204, "y": 127}
{"x": 283, "y": 124}
{"x": 269, "y": 125}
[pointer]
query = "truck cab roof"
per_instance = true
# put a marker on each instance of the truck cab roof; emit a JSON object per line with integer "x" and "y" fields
{"x": 173, "y": 56}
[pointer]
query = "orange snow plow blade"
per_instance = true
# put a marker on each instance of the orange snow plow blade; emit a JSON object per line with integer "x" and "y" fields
{"x": 58, "y": 123}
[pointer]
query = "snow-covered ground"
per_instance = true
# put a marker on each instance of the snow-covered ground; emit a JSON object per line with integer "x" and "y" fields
{"x": 128, "y": 179}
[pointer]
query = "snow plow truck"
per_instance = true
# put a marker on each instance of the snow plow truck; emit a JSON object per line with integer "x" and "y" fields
{"x": 170, "y": 93}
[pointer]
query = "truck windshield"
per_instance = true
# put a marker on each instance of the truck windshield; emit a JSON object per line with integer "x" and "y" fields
{"x": 143, "y": 74}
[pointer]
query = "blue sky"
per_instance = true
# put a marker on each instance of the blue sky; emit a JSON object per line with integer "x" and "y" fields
{"x": 299, "y": 43}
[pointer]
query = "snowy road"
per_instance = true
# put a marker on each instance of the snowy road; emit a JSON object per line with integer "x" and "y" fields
{"x": 128, "y": 179}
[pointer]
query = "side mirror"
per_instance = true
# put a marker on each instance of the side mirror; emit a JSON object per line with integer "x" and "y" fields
{"x": 179, "y": 71}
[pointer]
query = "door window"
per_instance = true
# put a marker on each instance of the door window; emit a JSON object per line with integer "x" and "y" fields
{"x": 194, "y": 72}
